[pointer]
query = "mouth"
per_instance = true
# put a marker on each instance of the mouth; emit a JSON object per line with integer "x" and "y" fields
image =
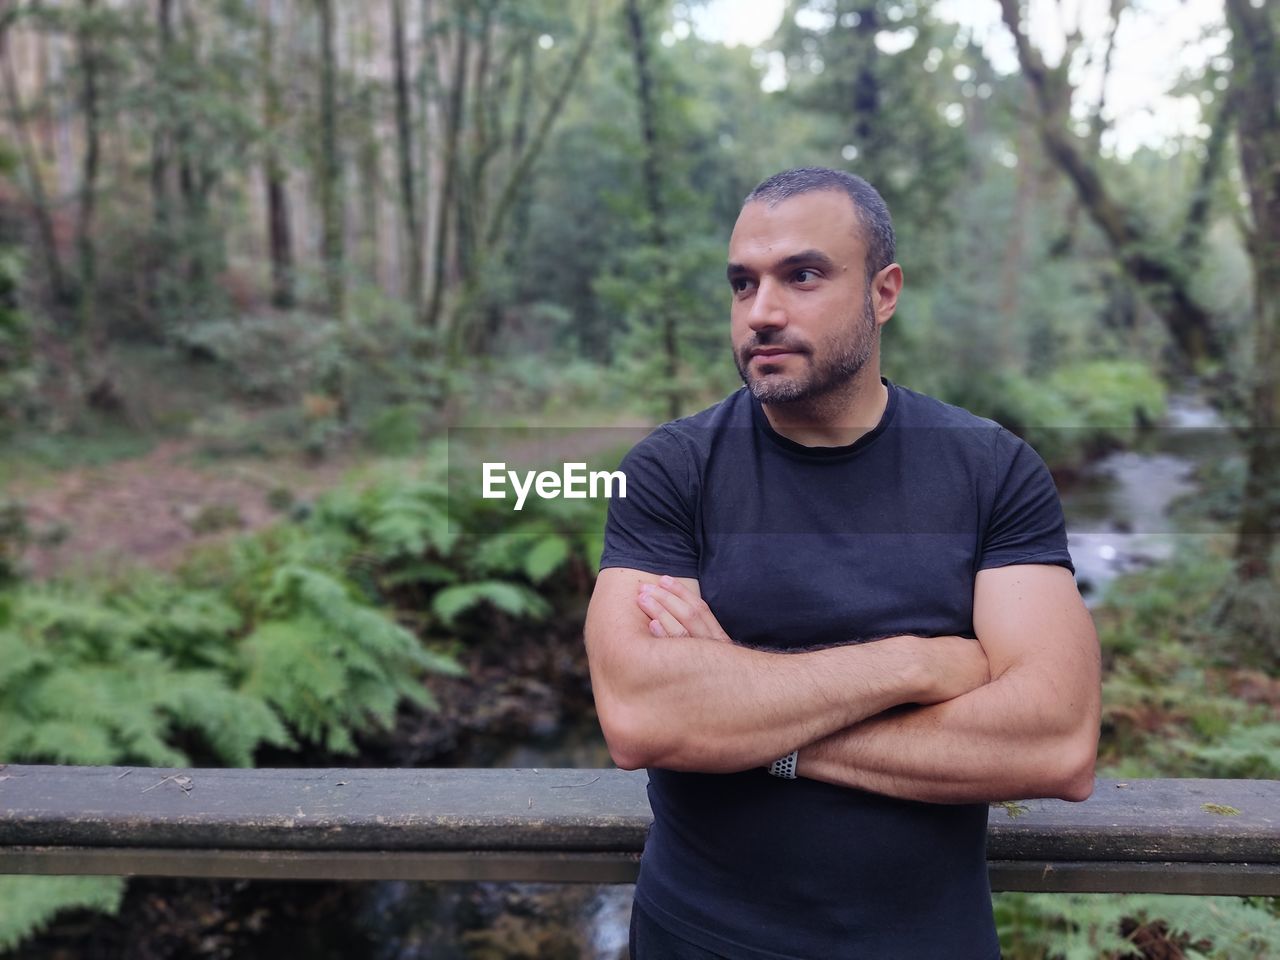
{"x": 773, "y": 354}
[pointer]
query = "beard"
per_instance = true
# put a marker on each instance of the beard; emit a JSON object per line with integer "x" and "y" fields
{"x": 833, "y": 364}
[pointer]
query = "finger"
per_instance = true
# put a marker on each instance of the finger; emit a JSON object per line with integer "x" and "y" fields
{"x": 655, "y": 628}
{"x": 655, "y": 611}
{"x": 681, "y": 609}
{"x": 695, "y": 617}
{"x": 699, "y": 611}
{"x": 679, "y": 588}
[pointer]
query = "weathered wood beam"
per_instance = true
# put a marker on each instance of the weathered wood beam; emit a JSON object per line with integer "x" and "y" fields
{"x": 1166, "y": 836}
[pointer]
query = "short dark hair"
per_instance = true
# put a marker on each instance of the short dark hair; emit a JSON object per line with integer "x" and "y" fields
{"x": 873, "y": 213}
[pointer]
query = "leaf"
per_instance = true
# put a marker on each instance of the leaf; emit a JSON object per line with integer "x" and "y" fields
{"x": 30, "y": 903}
{"x": 547, "y": 555}
{"x": 1221, "y": 809}
{"x": 508, "y": 597}
{"x": 421, "y": 571}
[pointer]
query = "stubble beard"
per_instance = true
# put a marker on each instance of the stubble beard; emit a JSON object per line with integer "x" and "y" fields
{"x": 844, "y": 360}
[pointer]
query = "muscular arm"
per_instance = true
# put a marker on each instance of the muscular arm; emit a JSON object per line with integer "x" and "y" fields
{"x": 1031, "y": 732}
{"x": 700, "y": 703}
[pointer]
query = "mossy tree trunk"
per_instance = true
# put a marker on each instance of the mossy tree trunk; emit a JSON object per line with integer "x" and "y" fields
{"x": 638, "y": 33}
{"x": 1255, "y": 56}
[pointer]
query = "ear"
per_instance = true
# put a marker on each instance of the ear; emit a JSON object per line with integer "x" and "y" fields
{"x": 885, "y": 288}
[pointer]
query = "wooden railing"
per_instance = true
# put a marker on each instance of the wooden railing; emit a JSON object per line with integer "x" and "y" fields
{"x": 1158, "y": 836}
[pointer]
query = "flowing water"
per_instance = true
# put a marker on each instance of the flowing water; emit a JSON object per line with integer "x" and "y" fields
{"x": 1118, "y": 511}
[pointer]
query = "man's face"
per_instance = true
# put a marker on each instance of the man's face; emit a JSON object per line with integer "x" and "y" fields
{"x": 803, "y": 319}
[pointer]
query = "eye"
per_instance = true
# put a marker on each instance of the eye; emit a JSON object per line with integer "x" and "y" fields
{"x": 739, "y": 284}
{"x": 805, "y": 276}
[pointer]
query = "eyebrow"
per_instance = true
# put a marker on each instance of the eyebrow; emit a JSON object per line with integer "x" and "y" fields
{"x": 812, "y": 257}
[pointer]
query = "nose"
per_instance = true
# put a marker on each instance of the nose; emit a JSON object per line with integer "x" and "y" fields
{"x": 766, "y": 306}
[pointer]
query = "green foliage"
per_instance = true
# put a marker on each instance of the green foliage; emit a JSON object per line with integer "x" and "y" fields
{"x": 884, "y": 114}
{"x": 509, "y": 598}
{"x": 27, "y": 904}
{"x": 283, "y": 638}
{"x": 1078, "y": 410}
{"x": 1168, "y": 711}
{"x": 103, "y": 678}
{"x": 1088, "y": 927}
{"x": 17, "y": 371}
{"x": 1168, "y": 708}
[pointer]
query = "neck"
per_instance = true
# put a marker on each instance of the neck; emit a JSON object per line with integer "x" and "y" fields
{"x": 836, "y": 418}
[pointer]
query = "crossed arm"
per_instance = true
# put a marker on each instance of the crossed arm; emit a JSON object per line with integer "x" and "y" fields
{"x": 1022, "y": 722}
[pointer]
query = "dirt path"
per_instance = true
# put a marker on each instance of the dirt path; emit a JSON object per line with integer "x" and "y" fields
{"x": 150, "y": 510}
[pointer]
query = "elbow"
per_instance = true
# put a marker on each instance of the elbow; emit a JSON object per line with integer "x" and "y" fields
{"x": 1076, "y": 772}
{"x": 630, "y": 743}
{"x": 1076, "y": 789}
{"x": 624, "y": 754}
{"x": 638, "y": 740}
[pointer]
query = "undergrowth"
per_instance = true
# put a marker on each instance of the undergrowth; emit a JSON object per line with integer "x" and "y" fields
{"x": 301, "y": 637}
{"x": 1172, "y": 707}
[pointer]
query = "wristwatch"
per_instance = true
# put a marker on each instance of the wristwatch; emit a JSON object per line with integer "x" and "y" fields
{"x": 786, "y": 766}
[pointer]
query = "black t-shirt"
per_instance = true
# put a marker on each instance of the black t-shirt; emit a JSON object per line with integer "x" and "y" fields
{"x": 797, "y": 546}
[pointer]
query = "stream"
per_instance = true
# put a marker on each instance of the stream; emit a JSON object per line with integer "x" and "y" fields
{"x": 1118, "y": 509}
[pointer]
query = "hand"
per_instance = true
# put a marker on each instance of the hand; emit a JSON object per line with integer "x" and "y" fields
{"x": 674, "y": 610}
{"x": 954, "y": 666}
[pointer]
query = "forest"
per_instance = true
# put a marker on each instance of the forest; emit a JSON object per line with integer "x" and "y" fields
{"x": 272, "y": 270}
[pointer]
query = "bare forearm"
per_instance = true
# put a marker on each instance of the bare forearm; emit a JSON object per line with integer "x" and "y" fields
{"x": 1020, "y": 736}
{"x": 691, "y": 703}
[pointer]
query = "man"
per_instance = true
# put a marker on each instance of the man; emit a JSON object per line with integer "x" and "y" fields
{"x": 817, "y": 795}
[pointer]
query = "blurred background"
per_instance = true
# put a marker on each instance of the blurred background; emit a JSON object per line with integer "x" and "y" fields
{"x": 259, "y": 257}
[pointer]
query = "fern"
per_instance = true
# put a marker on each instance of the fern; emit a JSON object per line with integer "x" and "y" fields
{"x": 509, "y": 597}
{"x": 408, "y": 522}
{"x": 545, "y": 557}
{"x": 28, "y": 904}
{"x": 1088, "y": 926}
{"x": 330, "y": 665}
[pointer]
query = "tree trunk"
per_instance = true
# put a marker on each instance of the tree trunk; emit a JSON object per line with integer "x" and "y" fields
{"x": 1255, "y": 55}
{"x": 1162, "y": 278}
{"x": 279, "y": 237}
{"x": 86, "y": 248}
{"x": 452, "y": 133}
{"x": 161, "y": 161}
{"x": 404, "y": 152}
{"x": 40, "y": 208}
{"x": 330, "y": 170}
{"x": 666, "y": 321}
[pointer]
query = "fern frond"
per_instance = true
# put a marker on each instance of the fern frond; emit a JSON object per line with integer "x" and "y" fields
{"x": 28, "y": 904}
{"x": 18, "y": 658}
{"x": 232, "y": 723}
{"x": 511, "y": 598}
{"x": 546, "y": 557}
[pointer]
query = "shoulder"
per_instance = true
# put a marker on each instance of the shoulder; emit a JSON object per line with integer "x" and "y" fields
{"x": 671, "y": 458}
{"x": 922, "y": 410}
{"x": 957, "y": 434}
{"x": 693, "y": 436}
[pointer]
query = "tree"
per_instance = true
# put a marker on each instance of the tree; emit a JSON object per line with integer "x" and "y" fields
{"x": 329, "y": 167}
{"x": 639, "y": 33}
{"x": 1255, "y": 56}
{"x": 1151, "y": 263}
{"x": 279, "y": 234}
{"x": 404, "y": 158}
{"x": 495, "y": 129}
{"x": 1161, "y": 271}
{"x": 856, "y": 64}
